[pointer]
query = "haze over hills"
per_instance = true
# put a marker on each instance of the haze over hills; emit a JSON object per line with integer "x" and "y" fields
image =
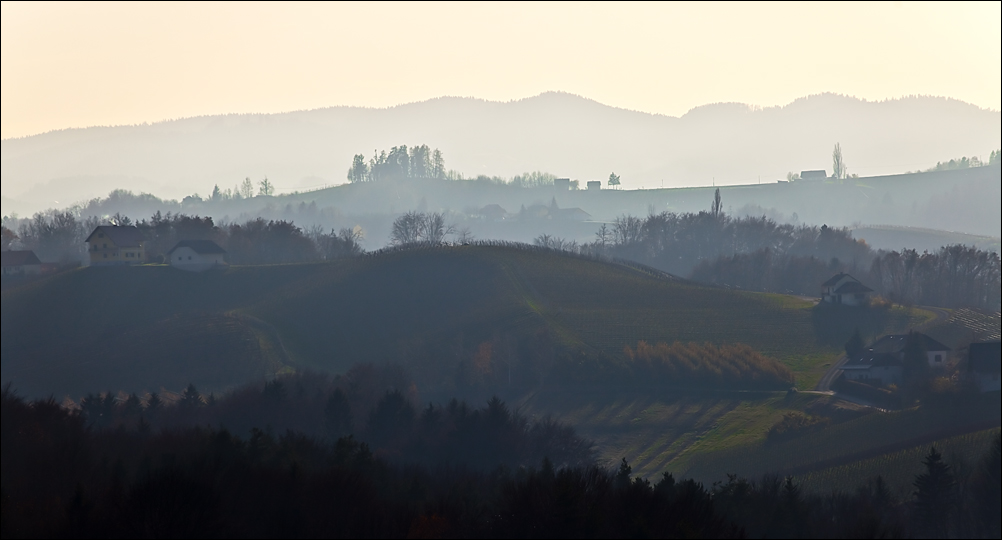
{"x": 561, "y": 133}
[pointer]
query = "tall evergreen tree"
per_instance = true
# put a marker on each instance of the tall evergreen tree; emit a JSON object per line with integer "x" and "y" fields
{"x": 935, "y": 495}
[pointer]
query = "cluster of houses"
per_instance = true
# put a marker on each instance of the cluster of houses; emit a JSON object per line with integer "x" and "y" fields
{"x": 882, "y": 363}
{"x": 113, "y": 245}
{"x": 117, "y": 245}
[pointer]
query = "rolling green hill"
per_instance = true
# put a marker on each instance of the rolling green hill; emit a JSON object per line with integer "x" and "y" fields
{"x": 148, "y": 327}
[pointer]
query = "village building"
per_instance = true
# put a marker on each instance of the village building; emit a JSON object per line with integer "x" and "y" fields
{"x": 876, "y": 368}
{"x": 984, "y": 365}
{"x": 116, "y": 245}
{"x": 493, "y": 212}
{"x": 594, "y": 185}
{"x": 845, "y": 290}
{"x": 562, "y": 184}
{"x": 197, "y": 256}
{"x": 936, "y": 353}
{"x": 814, "y": 175}
{"x": 883, "y": 362}
{"x": 20, "y": 263}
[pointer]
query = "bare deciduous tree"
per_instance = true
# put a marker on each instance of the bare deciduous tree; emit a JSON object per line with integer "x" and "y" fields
{"x": 838, "y": 164}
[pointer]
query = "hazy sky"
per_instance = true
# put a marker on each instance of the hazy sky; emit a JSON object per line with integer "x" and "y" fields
{"x": 74, "y": 65}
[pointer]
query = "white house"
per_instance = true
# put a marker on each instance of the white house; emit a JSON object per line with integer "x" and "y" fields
{"x": 846, "y": 290}
{"x": 875, "y": 368}
{"x": 197, "y": 256}
{"x": 936, "y": 353}
{"x": 20, "y": 263}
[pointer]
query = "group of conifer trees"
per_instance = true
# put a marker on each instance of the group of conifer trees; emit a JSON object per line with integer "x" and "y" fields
{"x": 64, "y": 474}
{"x": 400, "y": 162}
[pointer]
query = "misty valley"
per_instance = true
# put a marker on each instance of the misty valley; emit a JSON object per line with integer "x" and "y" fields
{"x": 258, "y": 281}
{"x": 683, "y": 373}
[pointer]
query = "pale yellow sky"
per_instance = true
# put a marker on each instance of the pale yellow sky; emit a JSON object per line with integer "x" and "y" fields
{"x": 84, "y": 64}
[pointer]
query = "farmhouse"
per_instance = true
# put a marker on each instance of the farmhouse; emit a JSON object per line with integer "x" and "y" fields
{"x": 877, "y": 368}
{"x": 20, "y": 263}
{"x": 883, "y": 362}
{"x": 114, "y": 245}
{"x": 813, "y": 175}
{"x": 846, "y": 290}
{"x": 197, "y": 256}
{"x": 936, "y": 353}
{"x": 984, "y": 365}
{"x": 493, "y": 212}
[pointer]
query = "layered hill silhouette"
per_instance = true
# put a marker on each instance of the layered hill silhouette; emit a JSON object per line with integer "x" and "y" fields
{"x": 557, "y": 132}
{"x": 438, "y": 311}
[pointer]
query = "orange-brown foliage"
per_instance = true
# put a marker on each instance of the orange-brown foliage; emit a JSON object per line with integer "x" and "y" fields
{"x": 706, "y": 365}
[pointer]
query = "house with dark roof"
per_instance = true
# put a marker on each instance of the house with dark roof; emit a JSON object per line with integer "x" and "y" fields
{"x": 493, "y": 212}
{"x": 845, "y": 290}
{"x": 20, "y": 263}
{"x": 883, "y": 362}
{"x": 876, "y": 368}
{"x": 984, "y": 365}
{"x": 813, "y": 175}
{"x": 936, "y": 352}
{"x": 197, "y": 256}
{"x": 115, "y": 245}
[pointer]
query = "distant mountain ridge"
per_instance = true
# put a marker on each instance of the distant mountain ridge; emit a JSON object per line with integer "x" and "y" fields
{"x": 568, "y": 135}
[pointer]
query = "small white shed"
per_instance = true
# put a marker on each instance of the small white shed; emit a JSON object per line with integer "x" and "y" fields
{"x": 197, "y": 256}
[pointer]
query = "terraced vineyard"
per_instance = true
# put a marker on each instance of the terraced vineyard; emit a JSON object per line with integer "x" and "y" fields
{"x": 899, "y": 468}
{"x": 966, "y": 325}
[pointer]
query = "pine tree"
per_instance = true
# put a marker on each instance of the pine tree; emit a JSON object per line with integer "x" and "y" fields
{"x": 191, "y": 398}
{"x": 934, "y": 494}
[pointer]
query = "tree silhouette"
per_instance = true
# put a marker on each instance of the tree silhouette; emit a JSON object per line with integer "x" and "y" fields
{"x": 855, "y": 345}
{"x": 935, "y": 494}
{"x": 265, "y": 188}
{"x": 359, "y": 171}
{"x": 838, "y": 164}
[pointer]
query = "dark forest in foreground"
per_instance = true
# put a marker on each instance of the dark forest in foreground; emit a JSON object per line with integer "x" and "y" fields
{"x": 107, "y": 471}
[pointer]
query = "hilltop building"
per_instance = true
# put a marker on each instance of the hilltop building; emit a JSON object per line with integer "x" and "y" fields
{"x": 197, "y": 256}
{"x": 562, "y": 184}
{"x": 594, "y": 185}
{"x": 846, "y": 290}
{"x": 20, "y": 263}
{"x": 115, "y": 245}
{"x": 984, "y": 365}
{"x": 814, "y": 175}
